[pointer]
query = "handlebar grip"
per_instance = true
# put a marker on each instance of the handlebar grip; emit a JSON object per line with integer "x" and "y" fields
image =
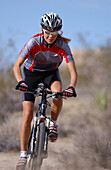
{"x": 28, "y": 90}
{"x": 57, "y": 94}
{"x": 17, "y": 87}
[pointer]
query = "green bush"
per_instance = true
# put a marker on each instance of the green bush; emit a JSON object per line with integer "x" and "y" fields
{"x": 101, "y": 100}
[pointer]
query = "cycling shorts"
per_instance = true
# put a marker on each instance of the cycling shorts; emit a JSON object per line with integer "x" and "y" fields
{"x": 36, "y": 77}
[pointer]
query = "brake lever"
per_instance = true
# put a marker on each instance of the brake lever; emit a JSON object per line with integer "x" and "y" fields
{"x": 55, "y": 95}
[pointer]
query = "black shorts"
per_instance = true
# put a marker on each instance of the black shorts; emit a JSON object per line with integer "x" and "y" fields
{"x": 36, "y": 77}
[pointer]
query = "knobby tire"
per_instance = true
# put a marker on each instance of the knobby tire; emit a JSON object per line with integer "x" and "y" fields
{"x": 37, "y": 161}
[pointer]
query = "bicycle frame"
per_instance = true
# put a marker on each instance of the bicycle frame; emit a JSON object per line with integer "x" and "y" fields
{"x": 38, "y": 142}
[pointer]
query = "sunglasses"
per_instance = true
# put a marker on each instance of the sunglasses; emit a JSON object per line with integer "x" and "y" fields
{"x": 50, "y": 33}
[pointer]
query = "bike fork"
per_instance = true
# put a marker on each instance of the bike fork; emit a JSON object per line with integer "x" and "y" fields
{"x": 47, "y": 123}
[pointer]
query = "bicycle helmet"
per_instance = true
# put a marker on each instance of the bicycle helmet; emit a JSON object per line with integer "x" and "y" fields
{"x": 51, "y": 21}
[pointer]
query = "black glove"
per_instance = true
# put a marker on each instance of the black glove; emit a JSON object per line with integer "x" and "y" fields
{"x": 22, "y": 86}
{"x": 69, "y": 92}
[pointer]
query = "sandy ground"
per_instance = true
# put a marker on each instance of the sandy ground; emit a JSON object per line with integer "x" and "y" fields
{"x": 8, "y": 160}
{"x": 56, "y": 159}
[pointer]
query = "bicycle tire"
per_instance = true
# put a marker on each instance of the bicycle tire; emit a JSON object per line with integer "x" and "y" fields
{"x": 40, "y": 152}
{"x": 41, "y": 143}
{"x": 32, "y": 147}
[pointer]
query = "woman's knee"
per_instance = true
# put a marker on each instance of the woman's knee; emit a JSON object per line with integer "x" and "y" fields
{"x": 27, "y": 117}
{"x": 56, "y": 86}
{"x": 27, "y": 112}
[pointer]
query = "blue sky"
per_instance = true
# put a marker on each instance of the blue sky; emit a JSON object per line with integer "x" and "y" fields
{"x": 20, "y": 20}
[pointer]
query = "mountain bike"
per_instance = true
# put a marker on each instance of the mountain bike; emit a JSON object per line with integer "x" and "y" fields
{"x": 38, "y": 142}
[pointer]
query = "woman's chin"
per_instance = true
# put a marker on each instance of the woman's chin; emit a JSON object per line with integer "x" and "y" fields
{"x": 50, "y": 41}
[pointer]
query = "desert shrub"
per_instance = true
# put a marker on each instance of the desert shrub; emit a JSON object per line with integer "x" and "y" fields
{"x": 9, "y": 98}
{"x": 86, "y": 128}
{"x": 9, "y": 133}
{"x": 101, "y": 100}
{"x": 88, "y": 132}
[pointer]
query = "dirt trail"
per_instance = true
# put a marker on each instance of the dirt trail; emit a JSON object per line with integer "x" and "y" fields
{"x": 8, "y": 160}
{"x": 57, "y": 156}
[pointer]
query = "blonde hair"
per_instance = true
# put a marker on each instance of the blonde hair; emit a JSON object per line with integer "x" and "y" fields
{"x": 67, "y": 40}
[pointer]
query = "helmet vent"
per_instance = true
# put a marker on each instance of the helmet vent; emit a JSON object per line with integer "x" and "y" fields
{"x": 51, "y": 21}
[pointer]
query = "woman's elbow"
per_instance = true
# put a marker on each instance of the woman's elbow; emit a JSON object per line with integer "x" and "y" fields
{"x": 14, "y": 68}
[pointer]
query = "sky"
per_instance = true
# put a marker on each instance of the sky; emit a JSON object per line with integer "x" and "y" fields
{"x": 20, "y": 20}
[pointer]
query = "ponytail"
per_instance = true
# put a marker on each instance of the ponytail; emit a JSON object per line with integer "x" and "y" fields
{"x": 67, "y": 40}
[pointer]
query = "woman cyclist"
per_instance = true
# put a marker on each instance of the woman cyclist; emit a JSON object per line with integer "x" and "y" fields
{"x": 41, "y": 56}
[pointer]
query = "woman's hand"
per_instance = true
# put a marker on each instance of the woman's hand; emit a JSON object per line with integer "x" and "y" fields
{"x": 69, "y": 92}
{"x": 22, "y": 86}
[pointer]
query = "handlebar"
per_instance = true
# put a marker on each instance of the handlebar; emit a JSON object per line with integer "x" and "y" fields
{"x": 38, "y": 92}
{"x": 42, "y": 89}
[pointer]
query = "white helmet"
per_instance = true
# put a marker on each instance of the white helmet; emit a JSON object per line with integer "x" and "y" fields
{"x": 51, "y": 21}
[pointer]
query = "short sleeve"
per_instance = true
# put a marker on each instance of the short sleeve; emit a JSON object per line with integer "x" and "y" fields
{"x": 25, "y": 52}
{"x": 68, "y": 55}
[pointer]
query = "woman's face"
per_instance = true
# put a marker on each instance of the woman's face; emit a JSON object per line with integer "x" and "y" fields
{"x": 50, "y": 36}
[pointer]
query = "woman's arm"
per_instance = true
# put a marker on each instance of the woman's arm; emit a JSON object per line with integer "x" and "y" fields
{"x": 17, "y": 69}
{"x": 73, "y": 73}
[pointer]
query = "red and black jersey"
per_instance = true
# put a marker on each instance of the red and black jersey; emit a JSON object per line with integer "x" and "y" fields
{"x": 41, "y": 57}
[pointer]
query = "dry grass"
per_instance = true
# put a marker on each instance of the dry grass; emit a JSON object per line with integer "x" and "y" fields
{"x": 90, "y": 137}
{"x": 9, "y": 133}
{"x": 84, "y": 124}
{"x": 84, "y": 137}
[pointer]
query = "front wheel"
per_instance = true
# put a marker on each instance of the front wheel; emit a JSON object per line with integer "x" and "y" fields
{"x": 37, "y": 162}
{"x": 40, "y": 154}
